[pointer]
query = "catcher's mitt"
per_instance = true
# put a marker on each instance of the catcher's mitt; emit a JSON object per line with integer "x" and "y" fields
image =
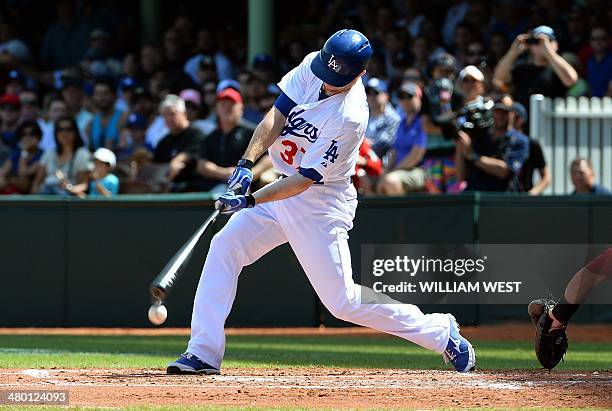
{"x": 550, "y": 346}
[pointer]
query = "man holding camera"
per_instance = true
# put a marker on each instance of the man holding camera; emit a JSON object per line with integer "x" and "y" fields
{"x": 488, "y": 158}
{"x": 543, "y": 72}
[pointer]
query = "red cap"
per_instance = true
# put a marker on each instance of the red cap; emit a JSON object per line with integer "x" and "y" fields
{"x": 230, "y": 94}
{"x": 11, "y": 99}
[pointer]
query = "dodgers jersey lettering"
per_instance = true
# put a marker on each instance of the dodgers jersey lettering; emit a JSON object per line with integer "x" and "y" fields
{"x": 320, "y": 135}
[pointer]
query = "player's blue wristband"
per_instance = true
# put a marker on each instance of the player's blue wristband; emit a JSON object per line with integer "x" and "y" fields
{"x": 284, "y": 104}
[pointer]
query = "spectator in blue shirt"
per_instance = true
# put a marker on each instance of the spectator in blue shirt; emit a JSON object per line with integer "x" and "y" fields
{"x": 403, "y": 175}
{"x": 599, "y": 65}
{"x": 492, "y": 162}
{"x": 101, "y": 182}
{"x": 384, "y": 120}
{"x": 583, "y": 178}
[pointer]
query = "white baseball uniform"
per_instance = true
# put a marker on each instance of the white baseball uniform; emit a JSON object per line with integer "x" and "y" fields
{"x": 321, "y": 137}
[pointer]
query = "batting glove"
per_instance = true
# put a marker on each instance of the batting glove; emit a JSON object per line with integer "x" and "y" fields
{"x": 242, "y": 177}
{"x": 231, "y": 202}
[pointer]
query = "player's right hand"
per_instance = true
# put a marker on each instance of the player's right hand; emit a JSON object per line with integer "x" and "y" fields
{"x": 241, "y": 178}
{"x": 231, "y": 202}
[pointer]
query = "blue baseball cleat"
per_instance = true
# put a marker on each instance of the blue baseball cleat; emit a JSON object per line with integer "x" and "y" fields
{"x": 459, "y": 351}
{"x": 190, "y": 364}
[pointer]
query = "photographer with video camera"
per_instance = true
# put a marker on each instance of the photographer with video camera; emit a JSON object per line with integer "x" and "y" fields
{"x": 544, "y": 71}
{"x": 489, "y": 152}
{"x": 440, "y": 97}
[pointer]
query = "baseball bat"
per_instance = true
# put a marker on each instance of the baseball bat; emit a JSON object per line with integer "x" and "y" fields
{"x": 163, "y": 283}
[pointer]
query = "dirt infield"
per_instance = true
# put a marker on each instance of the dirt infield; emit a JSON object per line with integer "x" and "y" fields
{"x": 322, "y": 387}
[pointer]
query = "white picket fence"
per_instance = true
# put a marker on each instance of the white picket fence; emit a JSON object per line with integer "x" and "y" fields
{"x": 573, "y": 127}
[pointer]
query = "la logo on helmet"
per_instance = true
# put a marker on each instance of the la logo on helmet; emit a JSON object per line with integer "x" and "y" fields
{"x": 332, "y": 63}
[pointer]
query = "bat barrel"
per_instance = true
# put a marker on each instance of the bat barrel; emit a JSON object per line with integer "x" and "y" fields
{"x": 164, "y": 282}
{"x": 158, "y": 292}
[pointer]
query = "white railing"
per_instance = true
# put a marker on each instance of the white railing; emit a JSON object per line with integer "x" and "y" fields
{"x": 573, "y": 127}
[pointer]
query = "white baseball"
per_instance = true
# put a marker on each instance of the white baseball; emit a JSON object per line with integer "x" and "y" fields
{"x": 158, "y": 314}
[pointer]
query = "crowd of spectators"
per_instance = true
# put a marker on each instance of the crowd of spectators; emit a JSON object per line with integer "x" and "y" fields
{"x": 448, "y": 90}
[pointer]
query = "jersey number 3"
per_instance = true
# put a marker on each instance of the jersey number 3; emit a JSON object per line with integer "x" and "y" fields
{"x": 291, "y": 150}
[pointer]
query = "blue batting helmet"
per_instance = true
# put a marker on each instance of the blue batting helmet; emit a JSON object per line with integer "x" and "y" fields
{"x": 343, "y": 56}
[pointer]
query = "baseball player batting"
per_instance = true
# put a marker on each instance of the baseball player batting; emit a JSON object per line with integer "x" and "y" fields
{"x": 312, "y": 134}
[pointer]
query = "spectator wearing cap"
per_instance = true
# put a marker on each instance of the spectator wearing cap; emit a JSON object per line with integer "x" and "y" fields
{"x": 535, "y": 161}
{"x": 67, "y": 162}
{"x": 440, "y": 96}
{"x": 224, "y": 147}
{"x": 493, "y": 161}
{"x": 193, "y": 103}
{"x": 55, "y": 108}
{"x": 384, "y": 120}
{"x": 103, "y": 129}
{"x": 206, "y": 70}
{"x": 543, "y": 72}
{"x": 205, "y": 46}
{"x": 10, "y": 107}
{"x": 132, "y": 139}
{"x": 599, "y": 65}
{"x": 100, "y": 181}
{"x": 127, "y": 85}
{"x": 180, "y": 148}
{"x": 18, "y": 171}
{"x": 404, "y": 174}
{"x": 74, "y": 96}
{"x": 583, "y": 178}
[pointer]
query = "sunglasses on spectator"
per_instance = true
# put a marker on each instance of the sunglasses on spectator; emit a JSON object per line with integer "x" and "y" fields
{"x": 468, "y": 80}
{"x": 405, "y": 96}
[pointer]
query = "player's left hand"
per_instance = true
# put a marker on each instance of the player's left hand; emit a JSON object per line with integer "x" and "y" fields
{"x": 231, "y": 202}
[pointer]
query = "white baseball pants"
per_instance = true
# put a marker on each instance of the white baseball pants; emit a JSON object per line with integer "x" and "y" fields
{"x": 315, "y": 223}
